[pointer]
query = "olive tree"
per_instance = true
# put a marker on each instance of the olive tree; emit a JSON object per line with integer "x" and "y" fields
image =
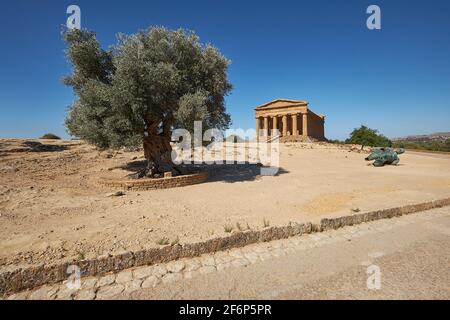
{"x": 141, "y": 89}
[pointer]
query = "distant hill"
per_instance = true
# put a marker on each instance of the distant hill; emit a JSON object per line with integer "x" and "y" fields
{"x": 433, "y": 142}
{"x": 441, "y": 136}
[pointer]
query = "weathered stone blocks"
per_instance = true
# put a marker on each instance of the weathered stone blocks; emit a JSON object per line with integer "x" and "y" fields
{"x": 163, "y": 183}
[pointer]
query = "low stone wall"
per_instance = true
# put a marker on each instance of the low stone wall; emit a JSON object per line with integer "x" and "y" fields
{"x": 336, "y": 223}
{"x": 162, "y": 183}
{"x": 28, "y": 278}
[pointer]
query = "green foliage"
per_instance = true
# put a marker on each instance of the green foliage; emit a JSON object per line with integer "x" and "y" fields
{"x": 430, "y": 145}
{"x": 228, "y": 228}
{"x": 163, "y": 241}
{"x": 175, "y": 241}
{"x": 368, "y": 137}
{"x": 149, "y": 83}
{"x": 336, "y": 141}
{"x": 50, "y": 136}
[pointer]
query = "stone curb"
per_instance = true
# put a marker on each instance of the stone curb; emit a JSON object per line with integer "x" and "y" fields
{"x": 32, "y": 277}
{"x": 162, "y": 183}
{"x": 336, "y": 223}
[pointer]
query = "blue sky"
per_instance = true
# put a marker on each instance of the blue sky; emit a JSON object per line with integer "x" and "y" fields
{"x": 396, "y": 79}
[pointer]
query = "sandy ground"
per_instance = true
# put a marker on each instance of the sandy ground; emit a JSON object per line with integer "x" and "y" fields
{"x": 52, "y": 208}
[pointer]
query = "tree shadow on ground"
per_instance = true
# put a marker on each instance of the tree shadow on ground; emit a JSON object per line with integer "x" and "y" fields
{"x": 35, "y": 146}
{"x": 229, "y": 173}
{"x": 134, "y": 166}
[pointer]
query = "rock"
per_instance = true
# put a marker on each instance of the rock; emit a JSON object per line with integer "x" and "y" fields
{"x": 240, "y": 263}
{"x": 133, "y": 285}
{"x": 171, "y": 277}
{"x": 85, "y": 295}
{"x": 265, "y": 256}
{"x": 252, "y": 257}
{"x": 278, "y": 253}
{"x": 159, "y": 271}
{"x": 9, "y": 169}
{"x": 44, "y": 293}
{"x": 65, "y": 293}
{"x": 236, "y": 253}
{"x": 175, "y": 266}
{"x": 143, "y": 272}
{"x": 208, "y": 261}
{"x": 115, "y": 194}
{"x": 150, "y": 282}
{"x": 188, "y": 275}
{"x": 110, "y": 291}
{"x": 223, "y": 266}
{"x": 19, "y": 296}
{"x": 207, "y": 269}
{"x": 192, "y": 265}
{"x": 124, "y": 276}
{"x": 89, "y": 283}
{"x": 106, "y": 280}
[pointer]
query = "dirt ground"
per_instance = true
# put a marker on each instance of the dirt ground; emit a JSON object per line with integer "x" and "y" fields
{"x": 53, "y": 209}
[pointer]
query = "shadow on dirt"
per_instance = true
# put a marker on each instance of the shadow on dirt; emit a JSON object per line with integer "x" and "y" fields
{"x": 35, "y": 146}
{"x": 219, "y": 172}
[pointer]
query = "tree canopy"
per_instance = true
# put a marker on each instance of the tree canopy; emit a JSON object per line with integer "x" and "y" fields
{"x": 143, "y": 87}
{"x": 368, "y": 137}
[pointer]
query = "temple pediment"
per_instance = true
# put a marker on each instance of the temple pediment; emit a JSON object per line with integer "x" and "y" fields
{"x": 282, "y": 103}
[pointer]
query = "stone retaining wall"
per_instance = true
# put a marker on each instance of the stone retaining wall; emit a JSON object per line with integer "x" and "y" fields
{"x": 27, "y": 278}
{"x": 162, "y": 183}
{"x": 336, "y": 223}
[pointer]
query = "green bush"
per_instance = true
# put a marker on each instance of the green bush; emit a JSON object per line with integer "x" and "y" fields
{"x": 368, "y": 137}
{"x": 50, "y": 136}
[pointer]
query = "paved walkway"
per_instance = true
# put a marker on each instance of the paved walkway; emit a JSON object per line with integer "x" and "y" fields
{"x": 402, "y": 258}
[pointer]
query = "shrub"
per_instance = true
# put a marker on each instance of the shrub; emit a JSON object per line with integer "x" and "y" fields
{"x": 368, "y": 137}
{"x": 335, "y": 141}
{"x": 228, "y": 228}
{"x": 50, "y": 136}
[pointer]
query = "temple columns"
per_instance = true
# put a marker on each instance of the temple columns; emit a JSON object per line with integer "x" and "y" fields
{"x": 258, "y": 128}
{"x": 285, "y": 125}
{"x": 294, "y": 125}
{"x": 274, "y": 125}
{"x": 305, "y": 125}
{"x": 266, "y": 126}
{"x": 269, "y": 129}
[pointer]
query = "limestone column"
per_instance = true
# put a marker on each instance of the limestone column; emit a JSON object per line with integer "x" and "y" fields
{"x": 258, "y": 128}
{"x": 285, "y": 126}
{"x": 305, "y": 124}
{"x": 294, "y": 125}
{"x": 266, "y": 126}
{"x": 274, "y": 124}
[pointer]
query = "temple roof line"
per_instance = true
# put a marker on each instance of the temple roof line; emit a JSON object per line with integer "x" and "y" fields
{"x": 292, "y": 102}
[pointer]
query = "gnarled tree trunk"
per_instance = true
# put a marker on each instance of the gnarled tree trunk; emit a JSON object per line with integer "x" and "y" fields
{"x": 158, "y": 152}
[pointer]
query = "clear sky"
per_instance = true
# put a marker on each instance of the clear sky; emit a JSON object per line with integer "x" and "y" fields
{"x": 396, "y": 79}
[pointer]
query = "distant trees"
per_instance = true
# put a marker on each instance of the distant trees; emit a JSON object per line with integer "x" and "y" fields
{"x": 50, "y": 136}
{"x": 430, "y": 145}
{"x": 368, "y": 137}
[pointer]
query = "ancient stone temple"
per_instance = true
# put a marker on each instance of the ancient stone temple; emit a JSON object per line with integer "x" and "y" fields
{"x": 292, "y": 118}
